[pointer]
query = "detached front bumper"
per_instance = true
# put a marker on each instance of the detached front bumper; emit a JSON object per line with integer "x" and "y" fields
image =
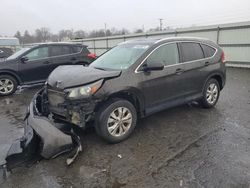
{"x": 53, "y": 140}
{"x": 41, "y": 138}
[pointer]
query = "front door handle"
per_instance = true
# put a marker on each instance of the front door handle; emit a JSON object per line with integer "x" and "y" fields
{"x": 206, "y": 63}
{"x": 179, "y": 71}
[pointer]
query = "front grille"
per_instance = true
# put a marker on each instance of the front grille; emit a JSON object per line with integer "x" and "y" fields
{"x": 56, "y": 99}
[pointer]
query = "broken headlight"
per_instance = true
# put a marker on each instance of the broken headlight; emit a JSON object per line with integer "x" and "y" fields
{"x": 83, "y": 91}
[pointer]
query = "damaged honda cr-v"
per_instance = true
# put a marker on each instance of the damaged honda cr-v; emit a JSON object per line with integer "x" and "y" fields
{"x": 130, "y": 81}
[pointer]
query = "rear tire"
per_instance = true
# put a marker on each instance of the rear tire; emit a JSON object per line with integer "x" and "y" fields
{"x": 8, "y": 85}
{"x": 211, "y": 93}
{"x": 116, "y": 120}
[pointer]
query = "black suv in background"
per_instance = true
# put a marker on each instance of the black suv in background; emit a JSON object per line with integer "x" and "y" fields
{"x": 5, "y": 52}
{"x": 132, "y": 80}
{"x": 33, "y": 65}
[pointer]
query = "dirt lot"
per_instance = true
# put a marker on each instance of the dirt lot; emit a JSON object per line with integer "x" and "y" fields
{"x": 186, "y": 146}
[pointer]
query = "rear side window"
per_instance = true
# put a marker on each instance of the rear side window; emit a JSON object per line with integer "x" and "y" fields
{"x": 166, "y": 54}
{"x": 66, "y": 50}
{"x": 191, "y": 51}
{"x": 208, "y": 51}
{"x": 59, "y": 50}
{"x": 55, "y": 51}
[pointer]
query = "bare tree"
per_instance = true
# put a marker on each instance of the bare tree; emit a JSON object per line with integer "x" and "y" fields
{"x": 115, "y": 31}
{"x": 27, "y": 38}
{"x": 19, "y": 36}
{"x": 79, "y": 34}
{"x": 65, "y": 35}
{"x": 138, "y": 31}
{"x": 42, "y": 35}
{"x": 97, "y": 33}
{"x": 54, "y": 38}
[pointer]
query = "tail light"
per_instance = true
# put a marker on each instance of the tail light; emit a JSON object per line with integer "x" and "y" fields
{"x": 223, "y": 57}
{"x": 92, "y": 56}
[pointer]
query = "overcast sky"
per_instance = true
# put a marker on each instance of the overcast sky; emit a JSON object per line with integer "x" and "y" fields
{"x": 131, "y": 14}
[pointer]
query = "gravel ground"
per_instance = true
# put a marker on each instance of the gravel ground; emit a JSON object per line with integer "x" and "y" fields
{"x": 186, "y": 146}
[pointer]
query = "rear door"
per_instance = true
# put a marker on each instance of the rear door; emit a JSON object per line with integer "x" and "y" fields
{"x": 162, "y": 88}
{"x": 193, "y": 60}
{"x": 35, "y": 69}
{"x": 61, "y": 55}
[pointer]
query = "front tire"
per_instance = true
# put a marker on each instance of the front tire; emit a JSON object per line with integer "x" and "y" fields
{"x": 8, "y": 85}
{"x": 211, "y": 93}
{"x": 116, "y": 120}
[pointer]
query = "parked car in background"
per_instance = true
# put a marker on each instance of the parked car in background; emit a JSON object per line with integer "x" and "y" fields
{"x": 33, "y": 65}
{"x": 5, "y": 52}
{"x": 133, "y": 80}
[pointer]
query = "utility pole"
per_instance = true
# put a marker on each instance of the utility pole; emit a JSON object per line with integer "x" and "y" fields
{"x": 105, "y": 28}
{"x": 160, "y": 19}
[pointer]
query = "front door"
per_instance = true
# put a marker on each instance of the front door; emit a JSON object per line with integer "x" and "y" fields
{"x": 35, "y": 67}
{"x": 162, "y": 88}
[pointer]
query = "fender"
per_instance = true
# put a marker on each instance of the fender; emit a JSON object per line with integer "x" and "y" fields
{"x": 12, "y": 73}
{"x": 133, "y": 92}
{"x": 220, "y": 74}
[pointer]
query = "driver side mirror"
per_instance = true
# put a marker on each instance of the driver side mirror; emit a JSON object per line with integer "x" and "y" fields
{"x": 152, "y": 67}
{"x": 24, "y": 59}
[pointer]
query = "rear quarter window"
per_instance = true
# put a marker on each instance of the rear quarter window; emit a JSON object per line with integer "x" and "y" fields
{"x": 77, "y": 49}
{"x": 191, "y": 51}
{"x": 208, "y": 51}
{"x": 85, "y": 50}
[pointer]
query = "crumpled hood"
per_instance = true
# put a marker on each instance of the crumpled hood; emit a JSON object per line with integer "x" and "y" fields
{"x": 75, "y": 75}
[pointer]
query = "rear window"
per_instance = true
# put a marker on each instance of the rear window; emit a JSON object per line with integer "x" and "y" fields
{"x": 208, "y": 51}
{"x": 191, "y": 51}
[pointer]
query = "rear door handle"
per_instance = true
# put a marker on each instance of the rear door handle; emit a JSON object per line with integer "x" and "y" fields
{"x": 179, "y": 71}
{"x": 46, "y": 62}
{"x": 73, "y": 59}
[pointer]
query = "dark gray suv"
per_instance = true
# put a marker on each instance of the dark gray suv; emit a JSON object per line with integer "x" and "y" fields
{"x": 132, "y": 80}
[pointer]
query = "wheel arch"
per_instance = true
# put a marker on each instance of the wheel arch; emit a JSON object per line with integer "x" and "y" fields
{"x": 14, "y": 75}
{"x": 132, "y": 96}
{"x": 217, "y": 76}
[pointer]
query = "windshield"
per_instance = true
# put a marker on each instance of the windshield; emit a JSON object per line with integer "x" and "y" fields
{"x": 121, "y": 57}
{"x": 18, "y": 53}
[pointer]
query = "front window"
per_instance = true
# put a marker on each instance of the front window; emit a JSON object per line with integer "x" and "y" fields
{"x": 121, "y": 57}
{"x": 166, "y": 54}
{"x": 38, "y": 53}
{"x": 18, "y": 53}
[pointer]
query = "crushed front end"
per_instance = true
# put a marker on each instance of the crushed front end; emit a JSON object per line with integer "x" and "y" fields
{"x": 68, "y": 100}
{"x": 61, "y": 108}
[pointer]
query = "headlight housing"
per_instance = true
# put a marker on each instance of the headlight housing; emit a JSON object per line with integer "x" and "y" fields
{"x": 83, "y": 91}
